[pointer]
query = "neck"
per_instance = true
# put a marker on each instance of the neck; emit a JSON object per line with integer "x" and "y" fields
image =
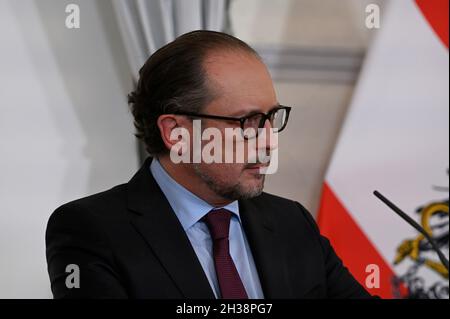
{"x": 186, "y": 177}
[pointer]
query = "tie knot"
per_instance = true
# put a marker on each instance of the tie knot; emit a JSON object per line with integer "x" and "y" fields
{"x": 218, "y": 222}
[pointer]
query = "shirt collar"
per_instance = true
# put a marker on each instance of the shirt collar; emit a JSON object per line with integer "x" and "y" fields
{"x": 188, "y": 207}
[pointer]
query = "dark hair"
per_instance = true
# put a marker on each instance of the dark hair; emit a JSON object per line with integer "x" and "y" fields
{"x": 173, "y": 79}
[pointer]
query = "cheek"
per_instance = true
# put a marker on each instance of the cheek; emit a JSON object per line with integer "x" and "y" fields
{"x": 234, "y": 148}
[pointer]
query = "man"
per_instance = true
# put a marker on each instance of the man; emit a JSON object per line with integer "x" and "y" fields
{"x": 197, "y": 229}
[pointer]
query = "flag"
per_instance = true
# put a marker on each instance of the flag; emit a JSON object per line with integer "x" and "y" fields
{"x": 395, "y": 139}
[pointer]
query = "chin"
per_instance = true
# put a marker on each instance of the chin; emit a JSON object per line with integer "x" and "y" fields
{"x": 254, "y": 188}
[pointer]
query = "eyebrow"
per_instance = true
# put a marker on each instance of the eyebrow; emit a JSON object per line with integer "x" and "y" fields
{"x": 252, "y": 111}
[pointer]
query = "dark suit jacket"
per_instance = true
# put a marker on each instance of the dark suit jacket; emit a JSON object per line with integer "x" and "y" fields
{"x": 128, "y": 243}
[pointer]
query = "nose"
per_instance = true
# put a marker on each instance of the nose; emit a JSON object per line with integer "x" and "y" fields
{"x": 267, "y": 138}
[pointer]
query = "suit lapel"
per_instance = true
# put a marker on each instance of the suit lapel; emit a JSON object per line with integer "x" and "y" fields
{"x": 267, "y": 250}
{"x": 155, "y": 220}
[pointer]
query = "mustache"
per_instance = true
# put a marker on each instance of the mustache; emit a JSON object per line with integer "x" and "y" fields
{"x": 258, "y": 161}
{"x": 255, "y": 164}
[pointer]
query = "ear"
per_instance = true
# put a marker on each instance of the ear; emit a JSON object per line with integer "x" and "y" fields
{"x": 166, "y": 124}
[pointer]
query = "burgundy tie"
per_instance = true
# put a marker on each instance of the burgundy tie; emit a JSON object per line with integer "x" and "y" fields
{"x": 231, "y": 287}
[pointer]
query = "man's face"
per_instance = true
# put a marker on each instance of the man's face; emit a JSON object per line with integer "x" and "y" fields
{"x": 243, "y": 85}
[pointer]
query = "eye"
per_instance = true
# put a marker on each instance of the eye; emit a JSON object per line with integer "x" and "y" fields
{"x": 253, "y": 121}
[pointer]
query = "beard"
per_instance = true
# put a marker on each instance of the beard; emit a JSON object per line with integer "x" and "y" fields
{"x": 232, "y": 192}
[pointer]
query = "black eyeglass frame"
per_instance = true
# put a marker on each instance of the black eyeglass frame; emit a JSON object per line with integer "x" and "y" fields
{"x": 241, "y": 120}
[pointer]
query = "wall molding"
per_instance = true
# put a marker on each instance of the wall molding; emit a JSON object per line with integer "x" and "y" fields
{"x": 312, "y": 64}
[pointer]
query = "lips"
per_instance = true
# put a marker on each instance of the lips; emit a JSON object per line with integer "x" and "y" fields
{"x": 257, "y": 166}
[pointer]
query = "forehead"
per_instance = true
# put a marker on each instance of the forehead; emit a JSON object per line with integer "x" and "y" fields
{"x": 240, "y": 80}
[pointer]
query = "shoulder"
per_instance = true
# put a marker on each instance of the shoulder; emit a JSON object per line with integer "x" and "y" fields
{"x": 284, "y": 210}
{"x": 105, "y": 199}
{"x": 270, "y": 199}
{"x": 96, "y": 208}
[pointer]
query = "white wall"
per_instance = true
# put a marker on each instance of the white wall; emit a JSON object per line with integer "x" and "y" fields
{"x": 65, "y": 128}
{"x": 302, "y": 23}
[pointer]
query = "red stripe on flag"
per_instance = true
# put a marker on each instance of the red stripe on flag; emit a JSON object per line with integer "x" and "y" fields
{"x": 351, "y": 244}
{"x": 436, "y": 13}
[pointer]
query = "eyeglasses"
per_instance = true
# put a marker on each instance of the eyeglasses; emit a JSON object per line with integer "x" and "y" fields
{"x": 250, "y": 124}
